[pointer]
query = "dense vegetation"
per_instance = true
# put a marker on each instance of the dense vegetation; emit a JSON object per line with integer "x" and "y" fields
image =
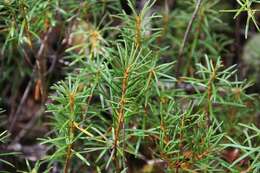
{"x": 129, "y": 86}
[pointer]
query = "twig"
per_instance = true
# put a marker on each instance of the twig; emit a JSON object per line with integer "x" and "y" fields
{"x": 238, "y": 47}
{"x": 41, "y": 64}
{"x": 208, "y": 106}
{"x": 69, "y": 148}
{"x": 186, "y": 36}
{"x": 25, "y": 95}
{"x": 56, "y": 56}
{"x": 71, "y": 129}
{"x": 121, "y": 115}
{"x": 38, "y": 67}
{"x": 29, "y": 125}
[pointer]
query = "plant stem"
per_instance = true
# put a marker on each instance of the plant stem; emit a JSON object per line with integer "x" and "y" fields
{"x": 138, "y": 31}
{"x": 69, "y": 149}
{"x": 195, "y": 42}
{"x": 209, "y": 95}
{"x": 186, "y": 36}
{"x": 70, "y": 132}
{"x": 120, "y": 122}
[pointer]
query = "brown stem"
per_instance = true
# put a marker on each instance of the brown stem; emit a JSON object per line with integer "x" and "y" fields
{"x": 70, "y": 133}
{"x": 121, "y": 112}
{"x": 41, "y": 64}
{"x": 68, "y": 158}
{"x": 19, "y": 109}
{"x": 28, "y": 127}
{"x": 69, "y": 149}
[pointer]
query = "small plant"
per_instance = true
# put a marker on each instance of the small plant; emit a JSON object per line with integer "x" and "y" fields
{"x": 127, "y": 82}
{"x": 118, "y": 106}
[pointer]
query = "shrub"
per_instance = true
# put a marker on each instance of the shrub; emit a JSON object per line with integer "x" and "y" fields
{"x": 136, "y": 89}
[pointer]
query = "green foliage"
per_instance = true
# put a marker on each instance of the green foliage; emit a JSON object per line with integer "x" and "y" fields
{"x": 130, "y": 85}
{"x": 121, "y": 99}
{"x": 249, "y": 148}
{"x": 246, "y": 6}
{"x": 3, "y": 138}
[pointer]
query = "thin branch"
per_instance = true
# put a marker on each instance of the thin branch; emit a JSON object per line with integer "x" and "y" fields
{"x": 121, "y": 114}
{"x": 29, "y": 125}
{"x": 186, "y": 36}
{"x": 24, "y": 97}
{"x": 41, "y": 64}
{"x": 29, "y": 85}
{"x": 71, "y": 129}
